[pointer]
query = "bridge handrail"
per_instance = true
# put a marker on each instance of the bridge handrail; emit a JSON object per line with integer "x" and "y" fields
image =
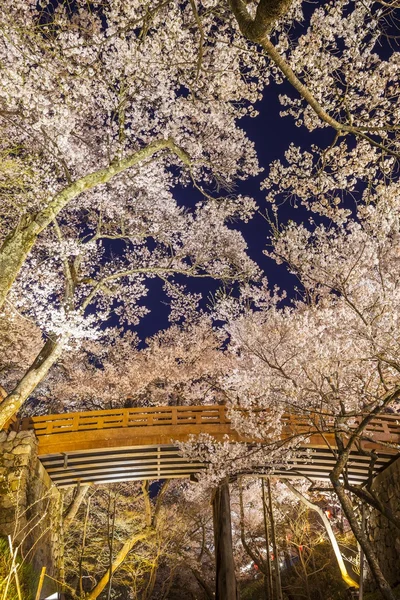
{"x": 385, "y": 428}
{"x": 126, "y": 417}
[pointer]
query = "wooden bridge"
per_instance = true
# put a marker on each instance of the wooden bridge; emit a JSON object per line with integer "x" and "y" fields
{"x": 125, "y": 444}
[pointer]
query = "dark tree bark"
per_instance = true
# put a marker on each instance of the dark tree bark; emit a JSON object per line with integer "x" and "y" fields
{"x": 226, "y": 587}
{"x": 269, "y": 586}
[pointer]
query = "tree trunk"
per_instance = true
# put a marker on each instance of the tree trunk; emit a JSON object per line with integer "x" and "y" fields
{"x": 119, "y": 559}
{"x": 74, "y": 506}
{"x": 83, "y": 546}
{"x": 48, "y": 355}
{"x": 269, "y": 586}
{"x": 361, "y": 537}
{"x": 226, "y": 588}
{"x": 278, "y": 585}
{"x": 346, "y": 577}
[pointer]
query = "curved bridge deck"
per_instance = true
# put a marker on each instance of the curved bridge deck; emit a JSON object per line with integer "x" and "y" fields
{"x": 140, "y": 443}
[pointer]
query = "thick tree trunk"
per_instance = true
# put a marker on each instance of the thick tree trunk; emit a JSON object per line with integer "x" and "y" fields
{"x": 19, "y": 242}
{"x": 269, "y": 586}
{"x": 48, "y": 355}
{"x": 226, "y": 588}
{"x": 278, "y": 586}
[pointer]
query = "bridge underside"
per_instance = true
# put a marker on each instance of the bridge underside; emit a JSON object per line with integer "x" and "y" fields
{"x": 165, "y": 462}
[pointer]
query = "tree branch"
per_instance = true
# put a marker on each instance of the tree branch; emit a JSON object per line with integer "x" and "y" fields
{"x": 257, "y": 30}
{"x": 19, "y": 242}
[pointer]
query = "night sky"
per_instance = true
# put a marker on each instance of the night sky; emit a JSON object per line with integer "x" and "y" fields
{"x": 272, "y": 135}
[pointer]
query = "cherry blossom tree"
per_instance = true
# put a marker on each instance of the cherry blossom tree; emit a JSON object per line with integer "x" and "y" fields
{"x": 160, "y": 542}
{"x": 72, "y": 299}
{"x": 181, "y": 365}
{"x": 127, "y": 531}
{"x": 300, "y": 537}
{"x": 332, "y": 356}
{"x": 82, "y": 104}
{"x": 345, "y": 74}
{"x": 106, "y": 112}
{"x": 97, "y": 102}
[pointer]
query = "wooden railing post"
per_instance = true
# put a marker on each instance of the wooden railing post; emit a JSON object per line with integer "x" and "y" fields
{"x": 49, "y": 427}
{"x": 386, "y": 433}
{"x": 75, "y": 422}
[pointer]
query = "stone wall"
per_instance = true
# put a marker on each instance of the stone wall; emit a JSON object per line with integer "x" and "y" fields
{"x": 30, "y": 505}
{"x": 384, "y": 535}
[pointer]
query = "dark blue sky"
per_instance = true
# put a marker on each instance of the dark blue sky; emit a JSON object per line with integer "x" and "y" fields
{"x": 272, "y": 135}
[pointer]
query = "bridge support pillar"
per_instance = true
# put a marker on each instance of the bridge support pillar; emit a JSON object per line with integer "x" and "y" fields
{"x": 383, "y": 534}
{"x": 30, "y": 506}
{"x": 226, "y": 587}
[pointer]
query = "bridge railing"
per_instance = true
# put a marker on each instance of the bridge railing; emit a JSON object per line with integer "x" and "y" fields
{"x": 126, "y": 417}
{"x": 385, "y": 428}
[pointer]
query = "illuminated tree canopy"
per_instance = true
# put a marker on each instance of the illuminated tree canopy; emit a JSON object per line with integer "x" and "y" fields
{"x": 150, "y": 253}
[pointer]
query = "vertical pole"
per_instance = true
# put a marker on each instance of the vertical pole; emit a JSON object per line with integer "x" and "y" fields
{"x": 13, "y": 557}
{"x": 41, "y": 579}
{"x": 273, "y": 534}
{"x": 15, "y": 568}
{"x": 226, "y": 588}
{"x": 268, "y": 579}
{"x": 361, "y": 588}
{"x": 111, "y": 543}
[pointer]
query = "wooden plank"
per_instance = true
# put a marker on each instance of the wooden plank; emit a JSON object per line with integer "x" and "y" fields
{"x": 79, "y": 467}
{"x": 123, "y": 437}
{"x": 103, "y": 456}
{"x": 131, "y": 450}
{"x": 157, "y": 469}
{"x": 169, "y": 452}
{"x": 144, "y": 474}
